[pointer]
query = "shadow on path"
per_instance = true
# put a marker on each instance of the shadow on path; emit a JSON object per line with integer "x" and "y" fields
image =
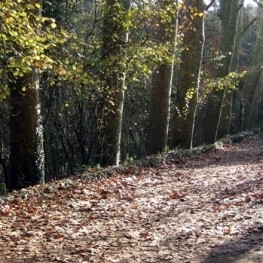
{"x": 246, "y": 249}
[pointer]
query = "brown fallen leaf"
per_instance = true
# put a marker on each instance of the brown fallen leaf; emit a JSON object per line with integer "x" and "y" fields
{"x": 227, "y": 230}
{"x": 175, "y": 195}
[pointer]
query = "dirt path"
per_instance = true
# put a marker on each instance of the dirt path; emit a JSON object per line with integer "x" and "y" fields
{"x": 208, "y": 209}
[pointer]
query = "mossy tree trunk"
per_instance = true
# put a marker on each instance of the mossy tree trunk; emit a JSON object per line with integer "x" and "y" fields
{"x": 183, "y": 118}
{"x": 110, "y": 106}
{"x": 26, "y": 133}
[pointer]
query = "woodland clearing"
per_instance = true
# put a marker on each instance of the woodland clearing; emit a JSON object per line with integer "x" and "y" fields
{"x": 204, "y": 209}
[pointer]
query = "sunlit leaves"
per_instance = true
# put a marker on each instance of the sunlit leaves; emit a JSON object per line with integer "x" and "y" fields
{"x": 53, "y": 25}
{"x": 25, "y": 37}
{"x": 231, "y": 82}
{"x": 4, "y": 92}
{"x": 37, "y": 5}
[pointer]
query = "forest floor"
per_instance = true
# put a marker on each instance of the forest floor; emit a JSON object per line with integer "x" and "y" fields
{"x": 204, "y": 209}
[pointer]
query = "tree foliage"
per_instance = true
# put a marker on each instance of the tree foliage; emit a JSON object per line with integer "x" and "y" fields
{"x": 25, "y": 38}
{"x": 76, "y": 57}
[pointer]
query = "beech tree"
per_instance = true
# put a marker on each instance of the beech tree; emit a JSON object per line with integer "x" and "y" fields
{"x": 188, "y": 76}
{"x": 246, "y": 41}
{"x": 224, "y": 121}
{"x": 110, "y": 106}
{"x": 24, "y": 45}
{"x": 82, "y": 78}
{"x": 166, "y": 33}
{"x": 228, "y": 14}
{"x": 26, "y": 132}
{"x": 253, "y": 84}
{"x": 254, "y": 118}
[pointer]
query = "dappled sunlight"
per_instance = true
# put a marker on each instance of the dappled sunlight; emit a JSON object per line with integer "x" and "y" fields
{"x": 194, "y": 211}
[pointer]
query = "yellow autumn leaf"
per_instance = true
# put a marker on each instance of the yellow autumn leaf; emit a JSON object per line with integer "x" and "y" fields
{"x": 53, "y": 25}
{"x": 62, "y": 71}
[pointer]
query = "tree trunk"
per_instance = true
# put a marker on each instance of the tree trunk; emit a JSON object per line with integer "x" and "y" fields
{"x": 260, "y": 111}
{"x": 189, "y": 77}
{"x": 235, "y": 111}
{"x": 157, "y": 130}
{"x": 110, "y": 106}
{"x": 253, "y": 79}
{"x": 253, "y": 114}
{"x": 26, "y": 133}
{"x": 227, "y": 103}
{"x": 236, "y": 119}
{"x": 229, "y": 11}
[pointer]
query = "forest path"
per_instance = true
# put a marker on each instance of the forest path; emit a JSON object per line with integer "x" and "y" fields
{"x": 207, "y": 209}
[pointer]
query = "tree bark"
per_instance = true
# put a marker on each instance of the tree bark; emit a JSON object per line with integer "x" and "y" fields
{"x": 253, "y": 114}
{"x": 227, "y": 103}
{"x": 26, "y": 133}
{"x": 234, "y": 124}
{"x": 157, "y": 130}
{"x": 253, "y": 79}
{"x": 110, "y": 106}
{"x": 189, "y": 77}
{"x": 229, "y": 11}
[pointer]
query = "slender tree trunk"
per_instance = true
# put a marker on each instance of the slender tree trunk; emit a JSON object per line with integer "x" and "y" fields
{"x": 229, "y": 11}
{"x": 189, "y": 77}
{"x": 157, "y": 131}
{"x": 225, "y": 114}
{"x": 26, "y": 133}
{"x": 110, "y": 106}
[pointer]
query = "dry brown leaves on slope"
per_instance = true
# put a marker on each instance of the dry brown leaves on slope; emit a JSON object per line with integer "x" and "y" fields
{"x": 205, "y": 209}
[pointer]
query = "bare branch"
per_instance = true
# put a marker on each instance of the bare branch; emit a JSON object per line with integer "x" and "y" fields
{"x": 248, "y": 25}
{"x": 209, "y": 5}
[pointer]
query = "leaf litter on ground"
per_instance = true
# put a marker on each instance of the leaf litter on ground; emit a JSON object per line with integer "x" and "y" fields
{"x": 207, "y": 208}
